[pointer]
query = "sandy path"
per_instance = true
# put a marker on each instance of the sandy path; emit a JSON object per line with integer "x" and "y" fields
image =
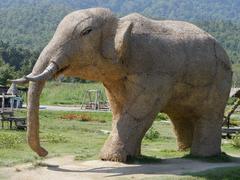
{"x": 65, "y": 168}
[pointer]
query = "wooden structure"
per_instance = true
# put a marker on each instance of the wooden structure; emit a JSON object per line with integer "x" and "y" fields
{"x": 94, "y": 100}
{"x": 227, "y": 129}
{"x": 7, "y": 114}
{"x": 4, "y": 90}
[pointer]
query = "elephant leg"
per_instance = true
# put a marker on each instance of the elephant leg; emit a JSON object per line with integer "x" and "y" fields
{"x": 207, "y": 135}
{"x": 126, "y": 137}
{"x": 134, "y": 105}
{"x": 183, "y": 128}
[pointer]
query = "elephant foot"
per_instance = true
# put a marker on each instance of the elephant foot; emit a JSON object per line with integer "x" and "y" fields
{"x": 114, "y": 155}
{"x": 118, "y": 151}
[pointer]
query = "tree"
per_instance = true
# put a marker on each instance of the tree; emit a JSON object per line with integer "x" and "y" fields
{"x": 6, "y": 72}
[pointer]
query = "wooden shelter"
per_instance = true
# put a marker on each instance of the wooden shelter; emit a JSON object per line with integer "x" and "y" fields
{"x": 227, "y": 128}
{"x": 8, "y": 97}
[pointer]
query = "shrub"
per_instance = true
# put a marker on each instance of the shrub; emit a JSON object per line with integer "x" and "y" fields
{"x": 236, "y": 140}
{"x": 162, "y": 116}
{"x": 231, "y": 101}
{"x": 152, "y": 134}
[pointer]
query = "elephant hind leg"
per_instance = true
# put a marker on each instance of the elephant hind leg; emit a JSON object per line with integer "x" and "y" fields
{"x": 207, "y": 135}
{"x": 183, "y": 128}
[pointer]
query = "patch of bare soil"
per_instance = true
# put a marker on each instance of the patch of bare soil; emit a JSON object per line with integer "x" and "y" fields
{"x": 80, "y": 117}
{"x": 66, "y": 168}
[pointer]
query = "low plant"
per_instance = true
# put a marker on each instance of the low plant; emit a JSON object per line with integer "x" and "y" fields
{"x": 10, "y": 140}
{"x": 54, "y": 138}
{"x": 81, "y": 117}
{"x": 162, "y": 117}
{"x": 236, "y": 140}
{"x": 152, "y": 134}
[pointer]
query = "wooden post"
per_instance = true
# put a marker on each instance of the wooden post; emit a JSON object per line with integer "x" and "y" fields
{"x": 3, "y": 102}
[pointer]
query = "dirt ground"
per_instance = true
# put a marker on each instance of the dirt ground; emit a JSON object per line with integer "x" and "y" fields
{"x": 65, "y": 168}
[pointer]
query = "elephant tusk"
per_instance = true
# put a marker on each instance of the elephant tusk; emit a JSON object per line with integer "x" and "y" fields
{"x": 22, "y": 80}
{"x": 45, "y": 75}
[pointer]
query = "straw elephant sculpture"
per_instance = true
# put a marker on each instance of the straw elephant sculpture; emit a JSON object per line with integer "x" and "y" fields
{"x": 146, "y": 66}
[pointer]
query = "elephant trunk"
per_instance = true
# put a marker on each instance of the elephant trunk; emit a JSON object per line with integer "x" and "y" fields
{"x": 35, "y": 89}
{"x": 34, "y": 92}
{"x": 46, "y": 66}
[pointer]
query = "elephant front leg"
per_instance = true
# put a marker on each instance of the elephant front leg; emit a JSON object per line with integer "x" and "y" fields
{"x": 134, "y": 107}
{"x": 125, "y": 138}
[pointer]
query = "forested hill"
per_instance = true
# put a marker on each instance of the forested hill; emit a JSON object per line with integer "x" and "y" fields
{"x": 180, "y": 9}
{"x": 31, "y": 23}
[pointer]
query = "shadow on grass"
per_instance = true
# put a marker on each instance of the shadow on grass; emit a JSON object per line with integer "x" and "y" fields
{"x": 223, "y": 157}
{"x": 142, "y": 159}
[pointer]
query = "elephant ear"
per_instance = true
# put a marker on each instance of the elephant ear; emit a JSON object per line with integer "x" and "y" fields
{"x": 115, "y": 44}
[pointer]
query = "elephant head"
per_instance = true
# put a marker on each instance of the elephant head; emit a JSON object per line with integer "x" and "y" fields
{"x": 89, "y": 44}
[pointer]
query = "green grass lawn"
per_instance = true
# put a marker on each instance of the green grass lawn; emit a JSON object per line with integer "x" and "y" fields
{"x": 79, "y": 134}
{"x": 56, "y": 93}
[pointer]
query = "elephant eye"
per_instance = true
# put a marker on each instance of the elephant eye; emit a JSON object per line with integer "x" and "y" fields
{"x": 86, "y": 31}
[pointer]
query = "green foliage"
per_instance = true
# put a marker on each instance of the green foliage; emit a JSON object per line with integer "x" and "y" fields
{"x": 15, "y": 62}
{"x": 30, "y": 24}
{"x": 236, "y": 140}
{"x": 152, "y": 134}
{"x": 227, "y": 33}
{"x": 162, "y": 116}
{"x": 56, "y": 93}
{"x": 231, "y": 101}
{"x": 6, "y": 72}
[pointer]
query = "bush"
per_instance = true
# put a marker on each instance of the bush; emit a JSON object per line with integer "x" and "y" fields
{"x": 236, "y": 140}
{"x": 231, "y": 101}
{"x": 152, "y": 134}
{"x": 162, "y": 116}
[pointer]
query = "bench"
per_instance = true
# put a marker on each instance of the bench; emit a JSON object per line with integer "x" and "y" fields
{"x": 7, "y": 115}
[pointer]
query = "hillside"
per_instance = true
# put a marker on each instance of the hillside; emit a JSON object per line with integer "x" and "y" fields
{"x": 31, "y": 23}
